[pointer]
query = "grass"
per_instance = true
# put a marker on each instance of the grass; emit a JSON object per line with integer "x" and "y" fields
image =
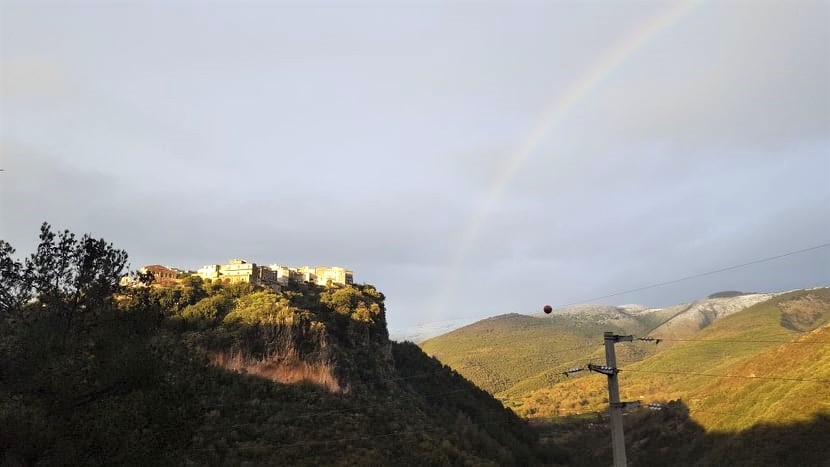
{"x": 512, "y": 355}
{"x": 499, "y": 352}
{"x": 759, "y": 344}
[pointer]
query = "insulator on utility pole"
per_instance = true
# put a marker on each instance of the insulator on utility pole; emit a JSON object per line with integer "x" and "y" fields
{"x": 650, "y": 339}
{"x": 570, "y": 371}
{"x": 604, "y": 369}
{"x": 629, "y": 405}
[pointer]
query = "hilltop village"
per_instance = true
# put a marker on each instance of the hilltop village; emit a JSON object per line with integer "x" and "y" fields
{"x": 238, "y": 271}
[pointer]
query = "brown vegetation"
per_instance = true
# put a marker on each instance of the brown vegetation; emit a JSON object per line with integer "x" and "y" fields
{"x": 288, "y": 369}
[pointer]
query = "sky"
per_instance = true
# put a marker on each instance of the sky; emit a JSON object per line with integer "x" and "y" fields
{"x": 468, "y": 158}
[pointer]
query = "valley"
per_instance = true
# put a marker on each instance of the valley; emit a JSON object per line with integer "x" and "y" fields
{"x": 724, "y": 365}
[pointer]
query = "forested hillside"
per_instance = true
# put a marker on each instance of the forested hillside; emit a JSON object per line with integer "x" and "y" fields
{"x": 209, "y": 374}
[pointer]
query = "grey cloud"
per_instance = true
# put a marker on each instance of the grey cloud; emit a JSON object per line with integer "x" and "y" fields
{"x": 199, "y": 225}
{"x": 375, "y": 138}
{"x": 757, "y": 79}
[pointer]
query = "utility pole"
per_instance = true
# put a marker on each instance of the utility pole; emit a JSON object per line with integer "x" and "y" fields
{"x": 610, "y": 369}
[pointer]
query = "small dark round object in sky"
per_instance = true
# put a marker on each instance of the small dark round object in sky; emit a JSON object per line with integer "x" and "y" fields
{"x": 548, "y": 309}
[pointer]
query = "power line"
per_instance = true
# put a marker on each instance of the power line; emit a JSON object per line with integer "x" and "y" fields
{"x": 410, "y": 432}
{"x": 363, "y": 406}
{"x": 703, "y": 342}
{"x": 664, "y": 406}
{"x": 695, "y": 276}
{"x": 446, "y": 369}
{"x": 501, "y": 419}
{"x": 660, "y": 284}
{"x": 825, "y": 381}
{"x": 470, "y": 366}
{"x": 480, "y": 365}
{"x": 302, "y": 356}
{"x": 682, "y": 279}
{"x": 366, "y": 406}
{"x": 738, "y": 341}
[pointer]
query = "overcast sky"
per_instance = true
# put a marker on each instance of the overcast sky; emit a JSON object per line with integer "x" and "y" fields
{"x": 660, "y": 140}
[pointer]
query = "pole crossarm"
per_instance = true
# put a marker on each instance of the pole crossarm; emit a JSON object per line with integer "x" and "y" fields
{"x": 604, "y": 369}
{"x": 617, "y": 338}
{"x": 571, "y": 371}
{"x": 627, "y": 405}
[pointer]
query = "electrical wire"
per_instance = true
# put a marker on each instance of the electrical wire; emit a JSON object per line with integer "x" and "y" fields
{"x": 411, "y": 432}
{"x": 456, "y": 370}
{"x": 669, "y": 282}
{"x": 695, "y": 276}
{"x": 770, "y": 258}
{"x": 739, "y": 341}
{"x": 443, "y": 370}
{"x": 690, "y": 373}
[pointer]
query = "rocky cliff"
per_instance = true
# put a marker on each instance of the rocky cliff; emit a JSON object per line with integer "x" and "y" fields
{"x": 335, "y": 338}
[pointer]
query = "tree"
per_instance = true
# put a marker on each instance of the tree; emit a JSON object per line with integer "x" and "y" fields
{"x": 66, "y": 275}
{"x": 15, "y": 290}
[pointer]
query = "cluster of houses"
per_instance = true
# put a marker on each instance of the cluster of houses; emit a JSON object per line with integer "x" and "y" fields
{"x": 238, "y": 270}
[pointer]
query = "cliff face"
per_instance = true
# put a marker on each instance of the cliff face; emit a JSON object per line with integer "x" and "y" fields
{"x": 282, "y": 369}
{"x": 289, "y": 352}
{"x": 334, "y": 338}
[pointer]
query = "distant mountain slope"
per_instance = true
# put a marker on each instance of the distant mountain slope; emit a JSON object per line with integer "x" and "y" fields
{"x": 513, "y": 355}
{"x": 588, "y": 319}
{"x": 498, "y": 352}
{"x": 679, "y": 320}
{"x": 762, "y": 359}
{"x": 421, "y": 332}
{"x": 688, "y": 319}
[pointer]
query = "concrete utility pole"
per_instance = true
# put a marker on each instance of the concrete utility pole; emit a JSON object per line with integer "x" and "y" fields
{"x": 610, "y": 370}
{"x": 617, "y": 439}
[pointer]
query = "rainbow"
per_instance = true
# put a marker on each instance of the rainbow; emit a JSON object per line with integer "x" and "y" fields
{"x": 551, "y": 118}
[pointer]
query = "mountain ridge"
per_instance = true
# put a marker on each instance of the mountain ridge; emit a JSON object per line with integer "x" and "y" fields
{"x": 515, "y": 370}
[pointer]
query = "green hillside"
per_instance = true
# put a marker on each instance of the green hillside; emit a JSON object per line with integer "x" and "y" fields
{"x": 498, "y": 352}
{"x": 511, "y": 355}
{"x": 92, "y": 374}
{"x": 761, "y": 412}
{"x": 755, "y": 347}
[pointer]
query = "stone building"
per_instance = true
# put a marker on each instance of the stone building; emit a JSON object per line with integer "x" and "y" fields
{"x": 335, "y": 274}
{"x": 162, "y": 275}
{"x": 307, "y": 274}
{"x": 274, "y": 275}
{"x": 240, "y": 271}
{"x": 285, "y": 274}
